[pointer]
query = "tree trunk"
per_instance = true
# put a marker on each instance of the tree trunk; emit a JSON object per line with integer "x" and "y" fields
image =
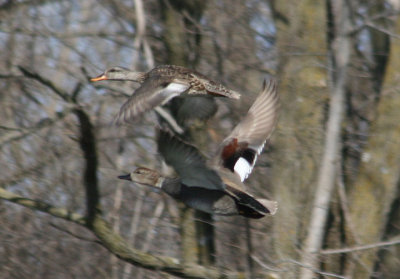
{"x": 340, "y": 48}
{"x": 374, "y": 193}
{"x": 197, "y": 235}
{"x": 303, "y": 88}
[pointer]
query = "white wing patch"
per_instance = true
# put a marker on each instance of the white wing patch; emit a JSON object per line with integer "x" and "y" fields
{"x": 175, "y": 87}
{"x": 259, "y": 150}
{"x": 243, "y": 168}
{"x": 172, "y": 90}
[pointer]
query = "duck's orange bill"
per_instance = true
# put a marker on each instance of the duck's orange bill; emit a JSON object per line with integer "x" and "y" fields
{"x": 100, "y": 77}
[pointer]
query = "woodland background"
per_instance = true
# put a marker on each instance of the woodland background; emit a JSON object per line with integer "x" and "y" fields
{"x": 332, "y": 164}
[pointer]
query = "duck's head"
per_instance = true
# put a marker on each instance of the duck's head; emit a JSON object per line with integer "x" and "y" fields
{"x": 115, "y": 73}
{"x": 144, "y": 176}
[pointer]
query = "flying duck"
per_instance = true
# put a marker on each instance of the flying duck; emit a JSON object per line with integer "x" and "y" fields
{"x": 216, "y": 186}
{"x": 161, "y": 84}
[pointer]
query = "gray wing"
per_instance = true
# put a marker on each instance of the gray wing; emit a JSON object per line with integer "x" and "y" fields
{"x": 187, "y": 162}
{"x": 238, "y": 152}
{"x": 153, "y": 92}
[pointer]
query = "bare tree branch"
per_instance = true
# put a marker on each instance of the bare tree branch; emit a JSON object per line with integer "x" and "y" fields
{"x": 33, "y": 75}
{"x": 395, "y": 241}
{"x": 119, "y": 247}
{"x": 88, "y": 145}
{"x": 14, "y": 134}
{"x": 43, "y": 207}
{"x": 317, "y": 271}
{"x": 87, "y": 142}
{"x": 64, "y": 230}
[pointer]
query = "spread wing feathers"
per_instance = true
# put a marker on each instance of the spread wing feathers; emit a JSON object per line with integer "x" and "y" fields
{"x": 238, "y": 152}
{"x": 153, "y": 92}
{"x": 260, "y": 121}
{"x": 187, "y": 162}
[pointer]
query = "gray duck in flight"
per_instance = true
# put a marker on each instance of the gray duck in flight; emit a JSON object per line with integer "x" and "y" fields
{"x": 216, "y": 186}
{"x": 161, "y": 84}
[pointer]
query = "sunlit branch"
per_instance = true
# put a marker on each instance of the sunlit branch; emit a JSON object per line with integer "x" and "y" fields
{"x": 119, "y": 247}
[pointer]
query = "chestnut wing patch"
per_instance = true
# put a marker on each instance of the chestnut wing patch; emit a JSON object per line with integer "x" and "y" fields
{"x": 238, "y": 157}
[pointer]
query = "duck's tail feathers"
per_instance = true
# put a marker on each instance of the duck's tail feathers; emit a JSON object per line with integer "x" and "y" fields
{"x": 272, "y": 206}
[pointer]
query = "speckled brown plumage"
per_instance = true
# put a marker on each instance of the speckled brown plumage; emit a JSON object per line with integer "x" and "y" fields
{"x": 161, "y": 84}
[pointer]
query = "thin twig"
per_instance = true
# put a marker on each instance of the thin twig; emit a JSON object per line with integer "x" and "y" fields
{"x": 15, "y": 134}
{"x": 46, "y": 82}
{"x": 360, "y": 248}
{"x": 382, "y": 29}
{"x": 329, "y": 274}
{"x": 64, "y": 230}
{"x": 265, "y": 266}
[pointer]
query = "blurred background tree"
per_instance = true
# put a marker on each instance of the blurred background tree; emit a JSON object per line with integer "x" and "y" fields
{"x": 332, "y": 164}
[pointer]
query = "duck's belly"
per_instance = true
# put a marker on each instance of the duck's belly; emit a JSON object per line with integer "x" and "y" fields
{"x": 210, "y": 201}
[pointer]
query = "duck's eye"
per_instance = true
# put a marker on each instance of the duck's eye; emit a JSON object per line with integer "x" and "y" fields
{"x": 112, "y": 70}
{"x": 141, "y": 171}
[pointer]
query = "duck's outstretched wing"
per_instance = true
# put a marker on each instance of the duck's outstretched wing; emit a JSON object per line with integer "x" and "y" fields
{"x": 239, "y": 151}
{"x": 153, "y": 92}
{"x": 187, "y": 162}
